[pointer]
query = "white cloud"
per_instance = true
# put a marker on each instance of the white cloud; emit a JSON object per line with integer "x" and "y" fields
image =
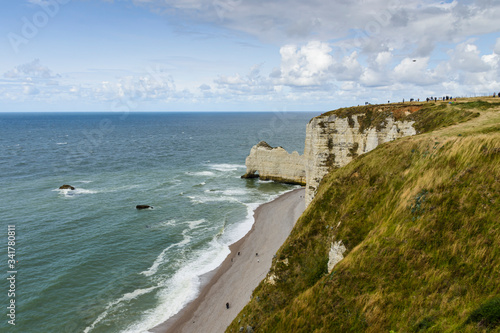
{"x": 252, "y": 84}
{"x": 329, "y": 49}
{"x": 36, "y": 81}
{"x": 30, "y": 90}
{"x": 137, "y": 88}
{"x": 312, "y": 68}
{"x": 497, "y": 46}
{"x": 348, "y": 69}
{"x": 75, "y": 89}
{"x": 357, "y": 45}
{"x": 309, "y": 65}
{"x": 415, "y": 71}
{"x": 372, "y": 25}
{"x": 466, "y": 57}
{"x": 30, "y": 80}
{"x": 231, "y": 80}
{"x": 383, "y": 59}
{"x": 32, "y": 69}
{"x": 492, "y": 60}
{"x": 372, "y": 78}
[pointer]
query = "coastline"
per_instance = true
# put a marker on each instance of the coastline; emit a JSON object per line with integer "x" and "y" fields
{"x": 235, "y": 279}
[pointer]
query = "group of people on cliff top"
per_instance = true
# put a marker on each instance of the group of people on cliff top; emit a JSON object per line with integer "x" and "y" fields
{"x": 444, "y": 98}
{"x": 435, "y": 99}
{"x": 432, "y": 99}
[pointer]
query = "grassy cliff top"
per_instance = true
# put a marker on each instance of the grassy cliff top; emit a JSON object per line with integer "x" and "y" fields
{"x": 419, "y": 217}
{"x": 428, "y": 116}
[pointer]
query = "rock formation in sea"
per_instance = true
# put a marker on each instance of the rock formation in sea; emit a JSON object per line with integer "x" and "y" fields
{"x": 275, "y": 164}
{"x": 66, "y": 187}
{"x": 332, "y": 140}
{"x": 143, "y": 207}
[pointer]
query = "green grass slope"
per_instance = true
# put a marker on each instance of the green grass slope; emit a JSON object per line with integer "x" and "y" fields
{"x": 420, "y": 218}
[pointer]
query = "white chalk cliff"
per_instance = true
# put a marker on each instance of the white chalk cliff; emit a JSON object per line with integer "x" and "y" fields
{"x": 276, "y": 164}
{"x": 331, "y": 141}
{"x": 335, "y": 255}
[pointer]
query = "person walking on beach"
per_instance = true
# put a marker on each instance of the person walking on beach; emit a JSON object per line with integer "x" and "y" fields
{"x": 227, "y": 305}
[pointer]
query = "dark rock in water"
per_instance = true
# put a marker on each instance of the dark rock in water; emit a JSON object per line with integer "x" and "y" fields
{"x": 143, "y": 207}
{"x": 66, "y": 187}
{"x": 250, "y": 175}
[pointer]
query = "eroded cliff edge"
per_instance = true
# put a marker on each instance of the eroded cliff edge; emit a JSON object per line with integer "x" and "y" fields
{"x": 332, "y": 140}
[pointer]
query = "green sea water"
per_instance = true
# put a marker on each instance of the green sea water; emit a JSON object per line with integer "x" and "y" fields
{"x": 86, "y": 259}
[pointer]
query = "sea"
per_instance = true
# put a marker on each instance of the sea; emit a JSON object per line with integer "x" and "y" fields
{"x": 86, "y": 260}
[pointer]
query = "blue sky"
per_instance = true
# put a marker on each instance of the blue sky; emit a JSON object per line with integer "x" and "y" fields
{"x": 232, "y": 55}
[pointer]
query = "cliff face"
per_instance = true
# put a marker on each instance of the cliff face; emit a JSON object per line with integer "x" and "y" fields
{"x": 405, "y": 238}
{"x": 268, "y": 163}
{"x": 332, "y": 140}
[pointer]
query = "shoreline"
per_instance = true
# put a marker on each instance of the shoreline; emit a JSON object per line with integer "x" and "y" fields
{"x": 235, "y": 279}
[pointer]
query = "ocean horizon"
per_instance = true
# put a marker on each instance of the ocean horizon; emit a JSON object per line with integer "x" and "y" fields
{"x": 88, "y": 260}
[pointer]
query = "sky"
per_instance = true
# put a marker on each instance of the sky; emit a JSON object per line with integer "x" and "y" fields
{"x": 243, "y": 55}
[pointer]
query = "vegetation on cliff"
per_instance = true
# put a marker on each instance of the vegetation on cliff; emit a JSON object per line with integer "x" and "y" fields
{"x": 419, "y": 217}
{"x": 428, "y": 116}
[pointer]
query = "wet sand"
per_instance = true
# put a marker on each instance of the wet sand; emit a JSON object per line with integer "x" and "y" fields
{"x": 234, "y": 281}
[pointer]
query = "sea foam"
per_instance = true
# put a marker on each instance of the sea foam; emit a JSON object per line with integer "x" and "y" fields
{"x": 72, "y": 193}
{"x": 201, "y": 174}
{"x": 183, "y": 287}
{"x": 227, "y": 167}
{"x": 125, "y": 298}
